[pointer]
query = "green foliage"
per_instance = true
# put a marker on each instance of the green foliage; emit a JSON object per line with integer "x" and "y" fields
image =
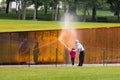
{"x": 47, "y": 17}
{"x": 3, "y": 4}
{"x": 39, "y": 2}
{"x": 98, "y": 3}
{"x": 114, "y": 4}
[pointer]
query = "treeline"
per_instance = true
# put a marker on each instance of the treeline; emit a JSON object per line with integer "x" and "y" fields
{"x": 68, "y": 6}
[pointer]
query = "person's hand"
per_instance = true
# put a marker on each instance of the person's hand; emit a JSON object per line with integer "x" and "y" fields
{"x": 78, "y": 50}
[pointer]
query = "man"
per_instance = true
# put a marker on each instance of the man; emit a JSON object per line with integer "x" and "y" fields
{"x": 80, "y": 50}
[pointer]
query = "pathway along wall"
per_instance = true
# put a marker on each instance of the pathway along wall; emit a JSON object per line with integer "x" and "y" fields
{"x": 101, "y": 45}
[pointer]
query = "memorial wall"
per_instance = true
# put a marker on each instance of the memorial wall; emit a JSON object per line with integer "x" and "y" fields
{"x": 102, "y": 45}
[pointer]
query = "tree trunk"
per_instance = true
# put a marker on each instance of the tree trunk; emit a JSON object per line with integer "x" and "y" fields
{"x": 53, "y": 13}
{"x": 10, "y": 7}
{"x": 7, "y": 6}
{"x": 94, "y": 13}
{"x": 118, "y": 17}
{"x": 55, "y": 17}
{"x": 45, "y": 9}
{"x": 65, "y": 8}
{"x": 118, "y": 10}
{"x": 35, "y": 10}
{"x": 24, "y": 14}
{"x": 34, "y": 15}
{"x": 18, "y": 8}
{"x": 84, "y": 16}
{"x": 75, "y": 6}
{"x": 23, "y": 9}
{"x": 72, "y": 8}
{"x": 58, "y": 13}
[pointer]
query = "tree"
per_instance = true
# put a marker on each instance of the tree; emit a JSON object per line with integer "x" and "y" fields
{"x": 24, "y": 4}
{"x": 115, "y": 6}
{"x": 18, "y": 8}
{"x": 8, "y": 2}
{"x": 3, "y": 4}
{"x": 46, "y": 4}
{"x": 38, "y": 3}
{"x": 65, "y": 5}
{"x": 94, "y": 4}
{"x": 55, "y": 9}
{"x": 84, "y": 4}
{"x": 35, "y": 2}
{"x": 72, "y": 6}
{"x": 54, "y": 4}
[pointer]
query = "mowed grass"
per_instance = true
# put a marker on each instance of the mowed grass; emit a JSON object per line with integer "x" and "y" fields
{"x": 60, "y": 73}
{"x": 30, "y": 25}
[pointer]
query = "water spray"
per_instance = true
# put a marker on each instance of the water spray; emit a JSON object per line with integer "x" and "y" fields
{"x": 68, "y": 34}
{"x": 66, "y": 46}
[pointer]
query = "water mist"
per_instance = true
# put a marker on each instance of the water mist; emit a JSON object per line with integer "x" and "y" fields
{"x": 68, "y": 33}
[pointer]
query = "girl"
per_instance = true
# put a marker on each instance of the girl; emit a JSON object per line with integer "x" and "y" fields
{"x": 72, "y": 55}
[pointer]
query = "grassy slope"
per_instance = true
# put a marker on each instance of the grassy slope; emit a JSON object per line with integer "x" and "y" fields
{"x": 20, "y": 25}
{"x": 60, "y": 73}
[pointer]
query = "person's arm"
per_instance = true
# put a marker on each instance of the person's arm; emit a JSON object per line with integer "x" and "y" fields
{"x": 78, "y": 50}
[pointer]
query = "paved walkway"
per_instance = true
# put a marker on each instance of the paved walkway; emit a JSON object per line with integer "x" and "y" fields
{"x": 59, "y": 65}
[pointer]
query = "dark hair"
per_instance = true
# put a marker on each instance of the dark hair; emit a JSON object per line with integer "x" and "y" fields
{"x": 73, "y": 48}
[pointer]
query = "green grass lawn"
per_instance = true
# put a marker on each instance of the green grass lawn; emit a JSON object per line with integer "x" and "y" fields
{"x": 60, "y": 73}
{"x": 48, "y": 17}
{"x": 30, "y": 25}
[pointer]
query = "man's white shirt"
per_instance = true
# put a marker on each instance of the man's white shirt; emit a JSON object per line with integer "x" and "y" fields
{"x": 79, "y": 47}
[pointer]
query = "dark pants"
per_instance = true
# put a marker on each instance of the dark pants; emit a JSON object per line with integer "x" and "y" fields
{"x": 72, "y": 60}
{"x": 81, "y": 58}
